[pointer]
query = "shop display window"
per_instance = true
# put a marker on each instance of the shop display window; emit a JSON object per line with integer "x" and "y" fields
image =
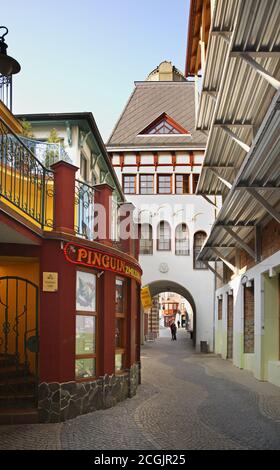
{"x": 86, "y": 319}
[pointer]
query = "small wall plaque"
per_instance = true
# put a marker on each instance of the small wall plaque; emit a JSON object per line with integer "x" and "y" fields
{"x": 50, "y": 282}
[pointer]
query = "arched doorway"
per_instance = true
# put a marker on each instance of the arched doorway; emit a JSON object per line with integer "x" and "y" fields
{"x": 156, "y": 287}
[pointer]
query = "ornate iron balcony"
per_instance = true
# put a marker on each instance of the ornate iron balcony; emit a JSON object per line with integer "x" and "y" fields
{"x": 24, "y": 181}
{"x": 47, "y": 153}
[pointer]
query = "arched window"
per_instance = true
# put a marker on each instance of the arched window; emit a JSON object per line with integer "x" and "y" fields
{"x": 198, "y": 242}
{"x": 164, "y": 236}
{"x": 146, "y": 239}
{"x": 182, "y": 245}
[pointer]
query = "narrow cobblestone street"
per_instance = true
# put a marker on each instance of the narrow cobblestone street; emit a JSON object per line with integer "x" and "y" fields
{"x": 186, "y": 401}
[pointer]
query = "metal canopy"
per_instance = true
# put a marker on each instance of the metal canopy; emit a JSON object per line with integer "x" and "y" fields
{"x": 255, "y": 194}
{"x": 242, "y": 74}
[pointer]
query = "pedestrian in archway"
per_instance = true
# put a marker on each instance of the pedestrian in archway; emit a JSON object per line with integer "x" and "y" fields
{"x": 173, "y": 329}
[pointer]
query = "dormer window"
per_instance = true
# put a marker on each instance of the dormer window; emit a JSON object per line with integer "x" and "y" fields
{"x": 164, "y": 125}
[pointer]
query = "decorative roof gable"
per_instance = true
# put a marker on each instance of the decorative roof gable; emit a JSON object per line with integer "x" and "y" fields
{"x": 164, "y": 125}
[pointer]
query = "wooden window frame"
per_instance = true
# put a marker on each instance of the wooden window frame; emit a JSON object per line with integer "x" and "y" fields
{"x": 153, "y": 184}
{"x": 195, "y": 267}
{"x": 89, "y": 314}
{"x": 171, "y": 183}
{"x": 123, "y": 182}
{"x": 183, "y": 175}
{"x": 193, "y": 182}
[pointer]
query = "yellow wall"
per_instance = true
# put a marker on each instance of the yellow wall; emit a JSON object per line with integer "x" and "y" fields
{"x": 27, "y": 269}
{"x": 270, "y": 339}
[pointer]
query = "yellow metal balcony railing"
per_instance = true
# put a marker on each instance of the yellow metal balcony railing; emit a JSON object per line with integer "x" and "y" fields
{"x": 25, "y": 184}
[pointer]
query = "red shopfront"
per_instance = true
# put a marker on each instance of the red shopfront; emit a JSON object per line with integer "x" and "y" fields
{"x": 71, "y": 310}
{"x": 90, "y": 329}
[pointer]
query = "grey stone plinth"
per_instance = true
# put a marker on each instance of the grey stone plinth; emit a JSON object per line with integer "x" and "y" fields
{"x": 61, "y": 401}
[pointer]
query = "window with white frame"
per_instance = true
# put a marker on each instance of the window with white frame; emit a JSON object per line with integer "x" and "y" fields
{"x": 164, "y": 236}
{"x": 146, "y": 239}
{"x": 182, "y": 243}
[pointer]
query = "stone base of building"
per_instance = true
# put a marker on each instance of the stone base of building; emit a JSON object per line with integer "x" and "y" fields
{"x": 61, "y": 401}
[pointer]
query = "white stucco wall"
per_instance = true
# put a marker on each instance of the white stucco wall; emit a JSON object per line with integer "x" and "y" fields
{"x": 198, "y": 214}
{"x": 264, "y": 362}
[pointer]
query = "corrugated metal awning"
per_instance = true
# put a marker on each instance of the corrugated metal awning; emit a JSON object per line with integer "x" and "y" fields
{"x": 242, "y": 74}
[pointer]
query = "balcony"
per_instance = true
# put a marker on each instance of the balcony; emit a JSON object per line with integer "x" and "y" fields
{"x": 47, "y": 153}
{"x": 52, "y": 199}
{"x": 25, "y": 184}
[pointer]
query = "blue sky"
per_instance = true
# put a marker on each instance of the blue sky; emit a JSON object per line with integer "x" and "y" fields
{"x": 85, "y": 55}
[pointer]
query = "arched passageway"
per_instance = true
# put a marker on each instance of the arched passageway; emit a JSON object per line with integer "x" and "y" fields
{"x": 157, "y": 287}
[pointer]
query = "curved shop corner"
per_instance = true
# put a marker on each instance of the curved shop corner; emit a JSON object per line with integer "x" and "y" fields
{"x": 69, "y": 301}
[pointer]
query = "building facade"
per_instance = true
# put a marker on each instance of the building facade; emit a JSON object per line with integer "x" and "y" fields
{"x": 69, "y": 289}
{"x": 158, "y": 155}
{"x": 238, "y": 56}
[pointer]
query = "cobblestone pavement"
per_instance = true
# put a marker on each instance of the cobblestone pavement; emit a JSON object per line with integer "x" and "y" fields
{"x": 186, "y": 401}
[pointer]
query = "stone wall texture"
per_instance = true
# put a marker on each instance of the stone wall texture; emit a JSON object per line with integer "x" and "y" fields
{"x": 61, "y": 401}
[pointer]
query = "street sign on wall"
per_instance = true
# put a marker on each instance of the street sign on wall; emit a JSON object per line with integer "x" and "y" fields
{"x": 146, "y": 298}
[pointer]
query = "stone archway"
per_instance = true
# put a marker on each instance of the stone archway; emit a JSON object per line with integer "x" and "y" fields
{"x": 156, "y": 287}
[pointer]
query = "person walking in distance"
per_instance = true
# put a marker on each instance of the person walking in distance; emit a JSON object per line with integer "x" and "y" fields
{"x": 173, "y": 328}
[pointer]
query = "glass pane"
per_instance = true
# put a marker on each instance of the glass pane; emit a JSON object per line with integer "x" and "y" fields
{"x": 85, "y": 368}
{"x": 119, "y": 333}
{"x": 85, "y": 335}
{"x": 85, "y": 291}
{"x": 119, "y": 362}
{"x": 120, "y": 296}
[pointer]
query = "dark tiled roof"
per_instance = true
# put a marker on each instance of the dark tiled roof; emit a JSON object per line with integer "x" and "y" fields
{"x": 147, "y": 102}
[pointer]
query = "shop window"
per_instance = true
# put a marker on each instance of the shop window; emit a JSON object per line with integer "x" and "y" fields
{"x": 146, "y": 239}
{"x": 182, "y": 245}
{"x": 129, "y": 184}
{"x": 120, "y": 324}
{"x": 86, "y": 318}
{"x": 164, "y": 184}
{"x": 198, "y": 242}
{"x": 164, "y": 236}
{"x": 182, "y": 185}
{"x": 146, "y": 183}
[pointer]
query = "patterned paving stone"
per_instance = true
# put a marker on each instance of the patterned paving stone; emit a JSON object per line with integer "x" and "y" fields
{"x": 186, "y": 401}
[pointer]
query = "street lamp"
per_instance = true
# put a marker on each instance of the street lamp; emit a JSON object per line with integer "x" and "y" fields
{"x": 8, "y": 65}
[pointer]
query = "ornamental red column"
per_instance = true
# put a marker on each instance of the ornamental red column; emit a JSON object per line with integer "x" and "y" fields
{"x": 131, "y": 322}
{"x": 64, "y": 199}
{"x": 107, "y": 323}
{"x": 103, "y": 212}
{"x": 57, "y": 316}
